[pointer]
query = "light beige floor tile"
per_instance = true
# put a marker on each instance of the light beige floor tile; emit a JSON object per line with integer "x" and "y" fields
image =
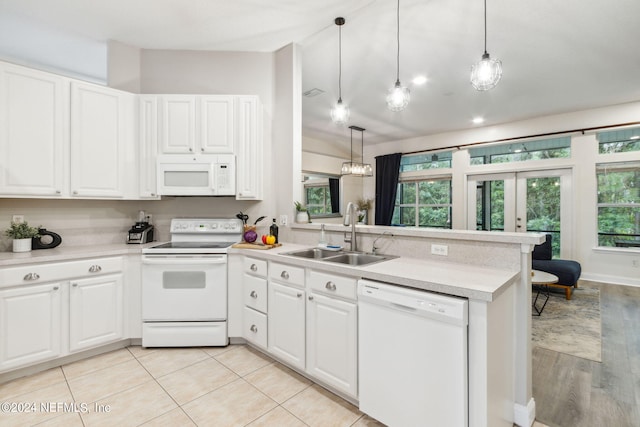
{"x": 278, "y": 382}
{"x": 317, "y": 407}
{"x": 196, "y": 380}
{"x": 57, "y": 393}
{"x": 108, "y": 381}
{"x": 131, "y": 407}
{"x": 167, "y": 360}
{"x": 95, "y": 363}
{"x": 277, "y": 417}
{"x": 243, "y": 360}
{"x": 215, "y": 351}
{"x": 173, "y": 418}
{"x": 539, "y": 424}
{"x": 71, "y": 419}
{"x": 139, "y": 351}
{"x": 31, "y": 383}
{"x": 367, "y": 421}
{"x": 234, "y": 404}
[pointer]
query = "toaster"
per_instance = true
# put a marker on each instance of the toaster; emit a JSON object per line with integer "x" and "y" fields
{"x": 140, "y": 232}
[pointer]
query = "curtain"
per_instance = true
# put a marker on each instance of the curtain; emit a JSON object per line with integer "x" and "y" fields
{"x": 334, "y": 193}
{"x": 387, "y": 174}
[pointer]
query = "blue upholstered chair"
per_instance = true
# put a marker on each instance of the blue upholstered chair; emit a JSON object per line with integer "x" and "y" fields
{"x": 568, "y": 271}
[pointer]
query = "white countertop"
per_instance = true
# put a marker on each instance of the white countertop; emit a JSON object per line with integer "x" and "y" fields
{"x": 473, "y": 282}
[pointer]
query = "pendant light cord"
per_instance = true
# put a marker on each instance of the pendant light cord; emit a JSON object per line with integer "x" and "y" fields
{"x": 340, "y": 61}
{"x": 398, "y": 42}
{"x": 485, "y": 26}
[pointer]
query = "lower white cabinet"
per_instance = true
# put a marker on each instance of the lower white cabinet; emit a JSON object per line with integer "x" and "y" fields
{"x": 30, "y": 324}
{"x": 287, "y": 324}
{"x": 95, "y": 311}
{"x": 332, "y": 342}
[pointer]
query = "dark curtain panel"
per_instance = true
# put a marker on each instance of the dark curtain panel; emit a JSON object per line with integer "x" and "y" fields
{"x": 387, "y": 174}
{"x": 334, "y": 192}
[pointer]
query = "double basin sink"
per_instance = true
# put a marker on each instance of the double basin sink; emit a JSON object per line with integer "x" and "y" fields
{"x": 348, "y": 258}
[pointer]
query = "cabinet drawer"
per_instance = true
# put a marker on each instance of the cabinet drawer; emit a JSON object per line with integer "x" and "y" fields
{"x": 255, "y": 292}
{"x": 330, "y": 284}
{"x": 255, "y": 327}
{"x": 288, "y": 274}
{"x": 255, "y": 266}
{"x": 41, "y": 273}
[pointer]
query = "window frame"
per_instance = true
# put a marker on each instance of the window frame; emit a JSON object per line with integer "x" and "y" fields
{"x": 417, "y": 177}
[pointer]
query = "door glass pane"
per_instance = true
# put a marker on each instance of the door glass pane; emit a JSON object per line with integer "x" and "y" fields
{"x": 490, "y": 205}
{"x": 543, "y": 208}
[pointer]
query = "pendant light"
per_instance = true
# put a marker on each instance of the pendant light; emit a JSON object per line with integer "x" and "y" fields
{"x": 486, "y": 73}
{"x": 340, "y": 112}
{"x": 398, "y": 97}
{"x": 354, "y": 168}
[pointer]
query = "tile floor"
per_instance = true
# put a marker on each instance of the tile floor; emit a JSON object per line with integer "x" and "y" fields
{"x": 231, "y": 386}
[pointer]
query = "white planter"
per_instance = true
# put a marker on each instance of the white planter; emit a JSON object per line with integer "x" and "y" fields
{"x": 302, "y": 217}
{"x": 22, "y": 245}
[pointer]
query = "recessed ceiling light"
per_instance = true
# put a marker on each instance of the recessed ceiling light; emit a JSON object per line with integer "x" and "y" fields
{"x": 477, "y": 120}
{"x": 419, "y": 80}
{"x": 635, "y": 137}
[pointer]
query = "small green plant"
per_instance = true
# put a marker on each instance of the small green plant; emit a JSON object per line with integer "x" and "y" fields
{"x": 21, "y": 230}
{"x": 300, "y": 207}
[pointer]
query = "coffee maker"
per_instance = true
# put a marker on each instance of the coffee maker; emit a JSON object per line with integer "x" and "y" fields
{"x": 142, "y": 231}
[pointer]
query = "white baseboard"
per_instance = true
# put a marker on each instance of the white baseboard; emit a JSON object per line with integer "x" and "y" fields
{"x": 524, "y": 416}
{"x": 605, "y": 278}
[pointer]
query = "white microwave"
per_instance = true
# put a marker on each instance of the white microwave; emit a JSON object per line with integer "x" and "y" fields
{"x": 199, "y": 175}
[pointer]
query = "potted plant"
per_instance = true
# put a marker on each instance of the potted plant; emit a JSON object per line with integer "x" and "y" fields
{"x": 21, "y": 233}
{"x": 302, "y": 215}
{"x": 364, "y": 205}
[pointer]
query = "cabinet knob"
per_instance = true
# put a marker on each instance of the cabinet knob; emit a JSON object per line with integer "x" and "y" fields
{"x": 31, "y": 276}
{"x": 284, "y": 275}
{"x": 299, "y": 294}
{"x": 75, "y": 285}
{"x": 55, "y": 288}
{"x": 95, "y": 269}
{"x": 254, "y": 267}
{"x": 202, "y": 149}
{"x": 310, "y": 298}
{"x": 253, "y": 294}
{"x": 58, "y": 191}
{"x": 253, "y": 328}
{"x": 153, "y": 194}
{"x": 331, "y": 286}
{"x": 75, "y": 192}
{"x": 190, "y": 149}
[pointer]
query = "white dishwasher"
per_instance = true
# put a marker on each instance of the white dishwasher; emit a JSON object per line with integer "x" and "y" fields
{"x": 412, "y": 356}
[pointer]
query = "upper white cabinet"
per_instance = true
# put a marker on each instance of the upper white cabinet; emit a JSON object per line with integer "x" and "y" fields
{"x": 249, "y": 148}
{"x": 34, "y": 121}
{"x": 197, "y": 124}
{"x": 148, "y": 146}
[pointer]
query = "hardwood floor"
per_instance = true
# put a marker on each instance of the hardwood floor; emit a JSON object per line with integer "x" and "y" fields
{"x": 571, "y": 391}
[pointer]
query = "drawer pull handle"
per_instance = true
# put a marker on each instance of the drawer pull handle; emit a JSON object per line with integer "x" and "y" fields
{"x": 331, "y": 286}
{"x": 310, "y": 298}
{"x": 31, "y": 276}
{"x": 253, "y": 294}
{"x": 253, "y": 328}
{"x": 95, "y": 269}
{"x": 55, "y": 288}
{"x": 284, "y": 275}
{"x": 254, "y": 267}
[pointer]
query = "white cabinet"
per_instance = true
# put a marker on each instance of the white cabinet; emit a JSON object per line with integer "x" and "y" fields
{"x": 254, "y": 298}
{"x": 34, "y": 120}
{"x": 148, "y": 148}
{"x": 95, "y": 311}
{"x": 101, "y": 133}
{"x": 197, "y": 124}
{"x": 249, "y": 149}
{"x": 30, "y": 324}
{"x": 287, "y": 324}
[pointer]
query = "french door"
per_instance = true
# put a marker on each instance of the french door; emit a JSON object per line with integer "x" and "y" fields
{"x": 533, "y": 201}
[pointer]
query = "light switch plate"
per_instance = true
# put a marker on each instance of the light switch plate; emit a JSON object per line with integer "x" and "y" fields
{"x": 17, "y": 218}
{"x": 440, "y": 250}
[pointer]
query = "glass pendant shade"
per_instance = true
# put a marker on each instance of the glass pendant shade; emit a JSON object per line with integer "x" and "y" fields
{"x": 486, "y": 73}
{"x": 398, "y": 97}
{"x": 340, "y": 113}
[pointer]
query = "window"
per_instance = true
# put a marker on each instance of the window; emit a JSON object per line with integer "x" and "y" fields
{"x": 619, "y": 204}
{"x": 318, "y": 199}
{"x": 421, "y": 162}
{"x": 423, "y": 203}
{"x": 521, "y": 151}
{"x": 619, "y": 141}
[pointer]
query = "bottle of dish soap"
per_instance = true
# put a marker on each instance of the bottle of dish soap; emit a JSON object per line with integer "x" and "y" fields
{"x": 323, "y": 239}
{"x": 273, "y": 229}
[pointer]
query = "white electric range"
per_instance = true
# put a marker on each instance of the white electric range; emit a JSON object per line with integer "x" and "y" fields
{"x": 184, "y": 284}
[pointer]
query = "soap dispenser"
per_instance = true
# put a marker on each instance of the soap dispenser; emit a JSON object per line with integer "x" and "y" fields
{"x": 323, "y": 239}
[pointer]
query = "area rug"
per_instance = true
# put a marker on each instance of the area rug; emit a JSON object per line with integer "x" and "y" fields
{"x": 572, "y": 327}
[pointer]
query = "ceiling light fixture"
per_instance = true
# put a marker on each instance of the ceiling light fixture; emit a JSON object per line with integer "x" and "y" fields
{"x": 419, "y": 80}
{"x": 398, "y": 97}
{"x": 477, "y": 120}
{"x": 354, "y": 168}
{"x": 486, "y": 73}
{"x": 340, "y": 112}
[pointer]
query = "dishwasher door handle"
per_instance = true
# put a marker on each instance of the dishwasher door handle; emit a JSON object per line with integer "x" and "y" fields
{"x": 402, "y": 307}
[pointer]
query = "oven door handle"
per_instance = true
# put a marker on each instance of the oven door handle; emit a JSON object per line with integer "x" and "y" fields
{"x": 183, "y": 260}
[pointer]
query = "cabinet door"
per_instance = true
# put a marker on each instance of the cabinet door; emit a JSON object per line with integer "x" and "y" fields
{"x": 95, "y": 311}
{"x": 29, "y": 324}
{"x": 286, "y": 324}
{"x": 148, "y": 146}
{"x": 33, "y": 132}
{"x": 249, "y": 149}
{"x": 216, "y": 124}
{"x": 178, "y": 124}
{"x": 98, "y": 135}
{"x": 332, "y": 342}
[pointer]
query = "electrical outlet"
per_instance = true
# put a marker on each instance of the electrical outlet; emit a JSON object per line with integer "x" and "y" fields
{"x": 284, "y": 219}
{"x": 17, "y": 218}
{"x": 440, "y": 250}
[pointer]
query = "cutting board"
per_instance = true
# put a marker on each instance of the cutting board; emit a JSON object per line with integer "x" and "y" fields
{"x": 245, "y": 245}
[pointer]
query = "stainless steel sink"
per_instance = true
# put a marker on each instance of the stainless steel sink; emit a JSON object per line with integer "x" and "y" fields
{"x": 356, "y": 258}
{"x": 314, "y": 253}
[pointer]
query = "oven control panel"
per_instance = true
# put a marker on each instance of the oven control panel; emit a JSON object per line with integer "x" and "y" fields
{"x": 205, "y": 226}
